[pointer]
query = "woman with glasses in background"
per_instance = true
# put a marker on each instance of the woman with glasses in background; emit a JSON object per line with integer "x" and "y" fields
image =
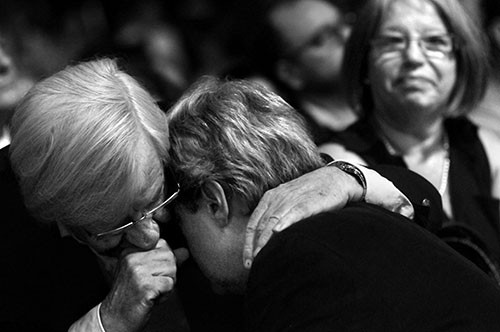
{"x": 413, "y": 69}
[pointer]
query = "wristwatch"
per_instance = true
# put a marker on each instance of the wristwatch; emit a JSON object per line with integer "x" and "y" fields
{"x": 352, "y": 170}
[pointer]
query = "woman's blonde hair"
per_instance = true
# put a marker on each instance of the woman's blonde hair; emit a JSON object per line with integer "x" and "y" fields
{"x": 75, "y": 140}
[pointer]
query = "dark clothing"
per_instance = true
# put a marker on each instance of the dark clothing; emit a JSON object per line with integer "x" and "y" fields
{"x": 47, "y": 282}
{"x": 319, "y": 133}
{"x": 476, "y": 220}
{"x": 205, "y": 310}
{"x": 365, "y": 269}
{"x": 209, "y": 312}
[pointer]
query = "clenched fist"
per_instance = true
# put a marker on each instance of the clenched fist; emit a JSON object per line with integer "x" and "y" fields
{"x": 142, "y": 279}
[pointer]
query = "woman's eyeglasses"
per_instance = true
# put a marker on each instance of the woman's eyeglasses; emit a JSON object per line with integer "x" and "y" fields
{"x": 433, "y": 46}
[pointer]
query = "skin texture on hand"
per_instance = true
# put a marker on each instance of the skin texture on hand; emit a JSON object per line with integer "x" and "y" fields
{"x": 325, "y": 189}
{"x": 142, "y": 279}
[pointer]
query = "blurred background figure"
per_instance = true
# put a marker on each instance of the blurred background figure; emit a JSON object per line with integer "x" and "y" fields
{"x": 413, "y": 69}
{"x": 488, "y": 112}
{"x": 14, "y": 83}
{"x": 38, "y": 38}
{"x": 144, "y": 36}
{"x": 162, "y": 44}
{"x": 297, "y": 48}
{"x": 52, "y": 33}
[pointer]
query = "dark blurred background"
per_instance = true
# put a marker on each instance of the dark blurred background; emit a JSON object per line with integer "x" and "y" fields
{"x": 165, "y": 44}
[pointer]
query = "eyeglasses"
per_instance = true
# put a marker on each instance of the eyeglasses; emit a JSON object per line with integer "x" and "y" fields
{"x": 433, "y": 46}
{"x": 172, "y": 190}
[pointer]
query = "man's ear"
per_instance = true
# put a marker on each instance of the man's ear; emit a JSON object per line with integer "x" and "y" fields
{"x": 289, "y": 73}
{"x": 215, "y": 201}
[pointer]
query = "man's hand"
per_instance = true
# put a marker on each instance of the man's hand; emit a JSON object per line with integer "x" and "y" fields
{"x": 142, "y": 279}
{"x": 325, "y": 189}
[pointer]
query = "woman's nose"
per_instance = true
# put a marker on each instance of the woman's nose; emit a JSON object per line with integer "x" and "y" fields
{"x": 413, "y": 52}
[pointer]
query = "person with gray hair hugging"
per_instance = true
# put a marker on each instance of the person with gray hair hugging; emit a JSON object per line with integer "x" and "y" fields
{"x": 89, "y": 162}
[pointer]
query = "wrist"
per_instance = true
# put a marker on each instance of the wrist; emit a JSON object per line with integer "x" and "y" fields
{"x": 99, "y": 319}
{"x": 112, "y": 321}
{"x": 356, "y": 174}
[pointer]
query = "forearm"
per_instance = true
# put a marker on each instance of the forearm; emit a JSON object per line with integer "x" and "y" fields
{"x": 368, "y": 185}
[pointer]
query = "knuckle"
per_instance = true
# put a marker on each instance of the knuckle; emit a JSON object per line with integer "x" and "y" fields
{"x": 150, "y": 292}
{"x": 263, "y": 239}
{"x": 271, "y": 194}
{"x": 262, "y": 226}
{"x": 169, "y": 255}
{"x": 170, "y": 283}
{"x": 300, "y": 208}
{"x": 173, "y": 269}
{"x": 247, "y": 247}
{"x": 251, "y": 227}
{"x": 167, "y": 284}
{"x": 134, "y": 270}
{"x": 128, "y": 261}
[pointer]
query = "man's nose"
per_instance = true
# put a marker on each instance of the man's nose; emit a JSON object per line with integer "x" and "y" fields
{"x": 144, "y": 235}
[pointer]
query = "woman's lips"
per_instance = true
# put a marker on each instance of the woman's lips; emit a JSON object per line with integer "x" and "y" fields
{"x": 414, "y": 82}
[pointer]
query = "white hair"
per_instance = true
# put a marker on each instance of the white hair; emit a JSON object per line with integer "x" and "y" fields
{"x": 75, "y": 138}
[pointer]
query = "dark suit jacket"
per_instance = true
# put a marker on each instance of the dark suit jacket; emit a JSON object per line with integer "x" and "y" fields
{"x": 365, "y": 269}
{"x": 46, "y": 281}
{"x": 209, "y": 312}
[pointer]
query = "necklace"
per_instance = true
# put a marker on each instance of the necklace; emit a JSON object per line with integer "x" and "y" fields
{"x": 445, "y": 169}
{"x": 445, "y": 172}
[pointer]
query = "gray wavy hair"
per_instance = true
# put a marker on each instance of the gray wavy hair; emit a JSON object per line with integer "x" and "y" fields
{"x": 239, "y": 134}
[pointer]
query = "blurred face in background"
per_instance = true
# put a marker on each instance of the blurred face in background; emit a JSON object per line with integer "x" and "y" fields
{"x": 412, "y": 65}
{"x": 13, "y": 85}
{"x": 315, "y": 33}
{"x": 7, "y": 69}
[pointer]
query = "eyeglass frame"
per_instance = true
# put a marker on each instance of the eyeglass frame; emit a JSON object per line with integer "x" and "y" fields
{"x": 420, "y": 39}
{"x": 144, "y": 216}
